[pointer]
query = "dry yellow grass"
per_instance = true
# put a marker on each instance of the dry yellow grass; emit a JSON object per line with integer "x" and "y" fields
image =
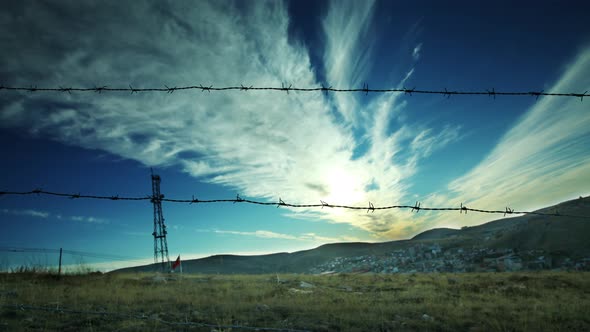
{"x": 547, "y": 301}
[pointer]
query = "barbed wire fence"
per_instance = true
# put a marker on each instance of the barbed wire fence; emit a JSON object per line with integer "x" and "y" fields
{"x": 417, "y": 207}
{"x": 70, "y": 252}
{"x": 118, "y": 315}
{"x": 287, "y": 88}
{"x": 284, "y": 88}
{"x": 74, "y": 266}
{"x": 290, "y": 88}
{"x": 370, "y": 208}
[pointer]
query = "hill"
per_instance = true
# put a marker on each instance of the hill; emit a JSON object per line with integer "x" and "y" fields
{"x": 561, "y": 237}
{"x": 528, "y": 232}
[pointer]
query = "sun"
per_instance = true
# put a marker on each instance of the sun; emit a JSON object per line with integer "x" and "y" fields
{"x": 343, "y": 188}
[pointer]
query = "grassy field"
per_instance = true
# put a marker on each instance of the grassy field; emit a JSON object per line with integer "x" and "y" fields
{"x": 545, "y": 301}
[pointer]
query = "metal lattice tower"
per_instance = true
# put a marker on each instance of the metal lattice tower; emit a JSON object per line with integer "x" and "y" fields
{"x": 160, "y": 243}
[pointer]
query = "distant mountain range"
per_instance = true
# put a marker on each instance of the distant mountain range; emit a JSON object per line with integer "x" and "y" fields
{"x": 561, "y": 236}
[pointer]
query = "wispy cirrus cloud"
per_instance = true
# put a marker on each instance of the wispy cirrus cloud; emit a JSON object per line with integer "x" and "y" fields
{"x": 347, "y": 59}
{"x": 259, "y": 233}
{"x": 27, "y": 212}
{"x": 89, "y": 219}
{"x": 383, "y": 171}
{"x": 263, "y": 144}
{"x": 542, "y": 160}
{"x": 416, "y": 52}
{"x": 265, "y": 234}
{"x": 425, "y": 142}
{"x": 44, "y": 215}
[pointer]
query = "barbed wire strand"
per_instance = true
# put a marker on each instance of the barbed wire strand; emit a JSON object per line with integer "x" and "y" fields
{"x": 144, "y": 317}
{"x": 370, "y": 208}
{"x": 284, "y": 88}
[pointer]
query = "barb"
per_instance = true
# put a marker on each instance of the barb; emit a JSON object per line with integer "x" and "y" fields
{"x": 170, "y": 90}
{"x": 62, "y": 310}
{"x": 371, "y": 208}
{"x": 492, "y": 93}
{"x": 284, "y": 88}
{"x": 203, "y": 88}
{"x": 132, "y": 89}
{"x": 536, "y": 94}
{"x": 238, "y": 199}
{"x": 416, "y": 207}
{"x": 100, "y": 89}
{"x": 409, "y": 91}
{"x": 508, "y": 211}
{"x": 449, "y": 93}
{"x": 244, "y": 88}
{"x": 68, "y": 90}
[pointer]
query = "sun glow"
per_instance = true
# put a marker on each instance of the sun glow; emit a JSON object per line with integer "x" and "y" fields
{"x": 343, "y": 188}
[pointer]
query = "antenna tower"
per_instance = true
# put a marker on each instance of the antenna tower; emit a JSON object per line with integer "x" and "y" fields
{"x": 160, "y": 243}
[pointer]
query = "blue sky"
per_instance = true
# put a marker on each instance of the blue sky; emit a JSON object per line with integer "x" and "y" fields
{"x": 342, "y": 148}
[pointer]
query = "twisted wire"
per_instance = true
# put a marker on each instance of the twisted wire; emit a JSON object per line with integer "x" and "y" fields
{"x": 369, "y": 208}
{"x": 284, "y": 88}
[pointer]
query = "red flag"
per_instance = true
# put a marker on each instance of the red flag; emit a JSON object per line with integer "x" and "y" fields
{"x": 176, "y": 263}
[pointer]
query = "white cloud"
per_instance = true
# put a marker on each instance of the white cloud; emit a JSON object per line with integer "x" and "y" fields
{"x": 347, "y": 59}
{"x": 260, "y": 233}
{"x": 416, "y": 52}
{"x": 309, "y": 237}
{"x": 90, "y": 220}
{"x": 45, "y": 215}
{"x": 263, "y": 144}
{"x": 425, "y": 143}
{"x": 542, "y": 160}
{"x": 27, "y": 212}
